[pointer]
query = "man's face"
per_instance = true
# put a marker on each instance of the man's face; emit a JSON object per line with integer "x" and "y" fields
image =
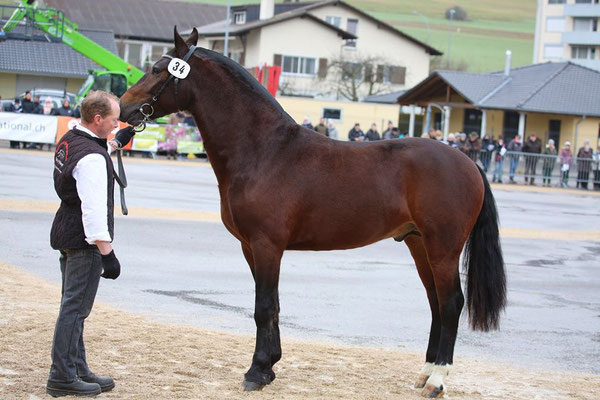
{"x": 357, "y": 127}
{"x": 104, "y": 126}
{"x": 28, "y": 96}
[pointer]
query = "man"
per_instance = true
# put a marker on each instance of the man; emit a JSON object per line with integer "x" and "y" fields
{"x": 372, "y": 134}
{"x": 514, "y": 147}
{"x": 83, "y": 231}
{"x": 356, "y": 134}
{"x": 388, "y": 133}
{"x": 322, "y": 128}
{"x": 533, "y": 146}
{"x": 28, "y": 106}
{"x": 65, "y": 110}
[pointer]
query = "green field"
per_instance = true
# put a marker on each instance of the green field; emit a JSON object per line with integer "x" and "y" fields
{"x": 479, "y": 44}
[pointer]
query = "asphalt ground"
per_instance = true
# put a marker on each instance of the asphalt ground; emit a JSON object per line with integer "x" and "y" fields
{"x": 181, "y": 265}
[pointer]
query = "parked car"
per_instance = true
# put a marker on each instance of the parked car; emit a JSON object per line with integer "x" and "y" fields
{"x": 56, "y": 96}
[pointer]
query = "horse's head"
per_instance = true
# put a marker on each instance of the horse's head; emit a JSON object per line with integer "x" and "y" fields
{"x": 158, "y": 93}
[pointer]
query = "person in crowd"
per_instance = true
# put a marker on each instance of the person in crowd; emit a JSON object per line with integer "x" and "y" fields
{"x": 531, "y": 146}
{"x": 387, "y": 134}
{"x": 333, "y": 132}
{"x": 396, "y": 134}
{"x": 48, "y": 106}
{"x": 356, "y": 134}
{"x": 550, "y": 153}
{"x": 451, "y": 141}
{"x": 306, "y": 123}
{"x": 189, "y": 119}
{"x": 584, "y": 164}
{"x": 431, "y": 134}
{"x": 500, "y": 149}
{"x": 461, "y": 143}
{"x": 439, "y": 136}
{"x": 487, "y": 148}
{"x": 82, "y": 231}
{"x": 27, "y": 106}
{"x": 176, "y": 118}
{"x": 565, "y": 158}
{"x": 15, "y": 106}
{"x": 322, "y": 127}
{"x": 473, "y": 146}
{"x": 597, "y": 168}
{"x": 372, "y": 134}
{"x": 38, "y": 108}
{"x": 64, "y": 110}
{"x": 514, "y": 146}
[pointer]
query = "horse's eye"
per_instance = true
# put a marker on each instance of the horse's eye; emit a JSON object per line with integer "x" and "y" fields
{"x": 155, "y": 70}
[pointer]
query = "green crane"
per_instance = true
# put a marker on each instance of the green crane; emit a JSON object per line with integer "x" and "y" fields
{"x": 118, "y": 76}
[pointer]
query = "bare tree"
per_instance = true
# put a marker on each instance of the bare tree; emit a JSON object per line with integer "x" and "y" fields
{"x": 358, "y": 75}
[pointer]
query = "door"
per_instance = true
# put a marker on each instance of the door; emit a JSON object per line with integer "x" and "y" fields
{"x": 554, "y": 131}
{"x": 510, "y": 126}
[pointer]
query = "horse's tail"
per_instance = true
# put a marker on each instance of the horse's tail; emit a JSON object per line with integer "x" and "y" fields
{"x": 483, "y": 262}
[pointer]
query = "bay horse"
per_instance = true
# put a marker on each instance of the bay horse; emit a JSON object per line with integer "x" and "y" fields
{"x": 284, "y": 187}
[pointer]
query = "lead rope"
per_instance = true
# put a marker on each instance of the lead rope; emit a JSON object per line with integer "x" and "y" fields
{"x": 121, "y": 179}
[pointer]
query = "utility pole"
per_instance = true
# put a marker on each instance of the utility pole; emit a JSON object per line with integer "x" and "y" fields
{"x": 227, "y": 20}
{"x": 426, "y": 22}
{"x": 452, "y": 12}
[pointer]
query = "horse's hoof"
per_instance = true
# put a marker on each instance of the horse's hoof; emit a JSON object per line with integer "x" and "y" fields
{"x": 421, "y": 381}
{"x": 251, "y": 386}
{"x": 433, "y": 392}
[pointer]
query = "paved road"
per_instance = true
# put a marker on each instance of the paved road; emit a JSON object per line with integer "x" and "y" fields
{"x": 192, "y": 271}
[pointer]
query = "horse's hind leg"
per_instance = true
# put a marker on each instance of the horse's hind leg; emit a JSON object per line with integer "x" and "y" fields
{"x": 264, "y": 259}
{"x": 417, "y": 250}
{"x": 444, "y": 267}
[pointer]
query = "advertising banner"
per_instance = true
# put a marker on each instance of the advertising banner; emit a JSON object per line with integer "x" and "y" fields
{"x": 27, "y": 127}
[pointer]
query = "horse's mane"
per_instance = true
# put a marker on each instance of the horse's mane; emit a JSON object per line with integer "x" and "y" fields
{"x": 243, "y": 76}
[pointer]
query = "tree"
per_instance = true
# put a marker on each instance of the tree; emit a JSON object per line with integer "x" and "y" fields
{"x": 456, "y": 13}
{"x": 359, "y": 75}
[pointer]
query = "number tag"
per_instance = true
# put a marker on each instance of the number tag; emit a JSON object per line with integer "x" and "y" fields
{"x": 179, "y": 68}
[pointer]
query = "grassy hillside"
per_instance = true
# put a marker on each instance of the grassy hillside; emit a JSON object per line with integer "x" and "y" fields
{"x": 479, "y": 44}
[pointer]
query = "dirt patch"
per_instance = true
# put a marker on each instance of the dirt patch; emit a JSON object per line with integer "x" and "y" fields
{"x": 151, "y": 360}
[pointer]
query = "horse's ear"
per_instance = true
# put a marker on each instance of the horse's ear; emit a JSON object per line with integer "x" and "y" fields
{"x": 193, "y": 38}
{"x": 180, "y": 46}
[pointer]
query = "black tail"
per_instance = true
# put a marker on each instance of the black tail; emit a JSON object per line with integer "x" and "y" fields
{"x": 483, "y": 262}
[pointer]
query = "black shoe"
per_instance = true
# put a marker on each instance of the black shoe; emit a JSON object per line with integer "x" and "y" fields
{"x": 106, "y": 382}
{"x": 75, "y": 388}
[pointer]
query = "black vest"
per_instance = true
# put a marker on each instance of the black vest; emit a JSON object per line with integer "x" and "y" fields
{"x": 67, "y": 229}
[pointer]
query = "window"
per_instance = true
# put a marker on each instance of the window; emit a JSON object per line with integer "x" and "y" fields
{"x": 555, "y": 24}
{"x": 553, "y": 51}
{"x": 583, "y": 52}
{"x": 239, "y": 17}
{"x": 335, "y": 21}
{"x": 583, "y": 1}
{"x": 556, "y": 1}
{"x": 472, "y": 121}
{"x": 157, "y": 52}
{"x": 351, "y": 27}
{"x": 135, "y": 54}
{"x": 299, "y": 65}
{"x": 583, "y": 24}
{"x": 332, "y": 114}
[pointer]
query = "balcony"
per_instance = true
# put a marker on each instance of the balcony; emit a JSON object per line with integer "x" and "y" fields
{"x": 582, "y": 10}
{"x": 581, "y": 38}
{"x": 593, "y": 64}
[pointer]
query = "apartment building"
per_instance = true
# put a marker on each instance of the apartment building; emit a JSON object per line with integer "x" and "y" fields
{"x": 568, "y": 30}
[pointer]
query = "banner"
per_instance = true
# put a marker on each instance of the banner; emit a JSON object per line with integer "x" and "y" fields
{"x": 188, "y": 146}
{"x": 27, "y": 127}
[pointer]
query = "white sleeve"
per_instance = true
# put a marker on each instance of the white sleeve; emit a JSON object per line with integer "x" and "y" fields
{"x": 92, "y": 182}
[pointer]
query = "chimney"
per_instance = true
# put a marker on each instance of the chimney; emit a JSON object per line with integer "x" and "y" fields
{"x": 507, "y": 65}
{"x": 267, "y": 9}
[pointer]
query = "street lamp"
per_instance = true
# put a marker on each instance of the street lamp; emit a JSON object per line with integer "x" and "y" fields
{"x": 426, "y": 22}
{"x": 452, "y": 12}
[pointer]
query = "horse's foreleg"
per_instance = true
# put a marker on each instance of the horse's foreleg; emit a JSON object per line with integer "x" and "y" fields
{"x": 266, "y": 262}
{"x": 417, "y": 250}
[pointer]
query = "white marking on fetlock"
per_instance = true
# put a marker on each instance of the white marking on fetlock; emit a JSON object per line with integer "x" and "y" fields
{"x": 427, "y": 369}
{"x": 437, "y": 376}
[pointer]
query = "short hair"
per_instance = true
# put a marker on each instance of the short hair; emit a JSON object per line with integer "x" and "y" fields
{"x": 96, "y": 103}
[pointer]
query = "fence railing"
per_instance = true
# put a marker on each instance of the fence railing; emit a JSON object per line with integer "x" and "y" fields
{"x": 540, "y": 169}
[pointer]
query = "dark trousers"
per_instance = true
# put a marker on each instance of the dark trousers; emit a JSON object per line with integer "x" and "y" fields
{"x": 81, "y": 271}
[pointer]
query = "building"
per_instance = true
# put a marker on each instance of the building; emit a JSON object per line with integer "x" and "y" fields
{"x": 325, "y": 48}
{"x": 568, "y": 30}
{"x": 559, "y": 101}
{"x": 139, "y": 31}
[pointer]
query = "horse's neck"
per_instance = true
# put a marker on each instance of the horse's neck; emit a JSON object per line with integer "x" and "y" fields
{"x": 240, "y": 136}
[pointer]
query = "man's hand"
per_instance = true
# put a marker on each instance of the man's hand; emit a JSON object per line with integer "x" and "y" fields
{"x": 124, "y": 136}
{"x": 112, "y": 267}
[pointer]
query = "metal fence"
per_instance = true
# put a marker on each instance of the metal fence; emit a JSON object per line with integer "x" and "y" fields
{"x": 540, "y": 169}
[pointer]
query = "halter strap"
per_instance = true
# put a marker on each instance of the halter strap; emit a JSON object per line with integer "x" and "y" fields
{"x": 147, "y": 115}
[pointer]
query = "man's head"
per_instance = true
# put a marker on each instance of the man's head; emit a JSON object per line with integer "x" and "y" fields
{"x": 374, "y": 127}
{"x": 533, "y": 137}
{"x": 357, "y": 126}
{"x": 390, "y": 124}
{"x": 28, "y": 95}
{"x": 36, "y": 99}
{"x": 322, "y": 121}
{"x": 100, "y": 113}
{"x": 66, "y": 103}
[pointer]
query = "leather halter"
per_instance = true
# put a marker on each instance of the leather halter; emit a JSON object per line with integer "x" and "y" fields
{"x": 149, "y": 105}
